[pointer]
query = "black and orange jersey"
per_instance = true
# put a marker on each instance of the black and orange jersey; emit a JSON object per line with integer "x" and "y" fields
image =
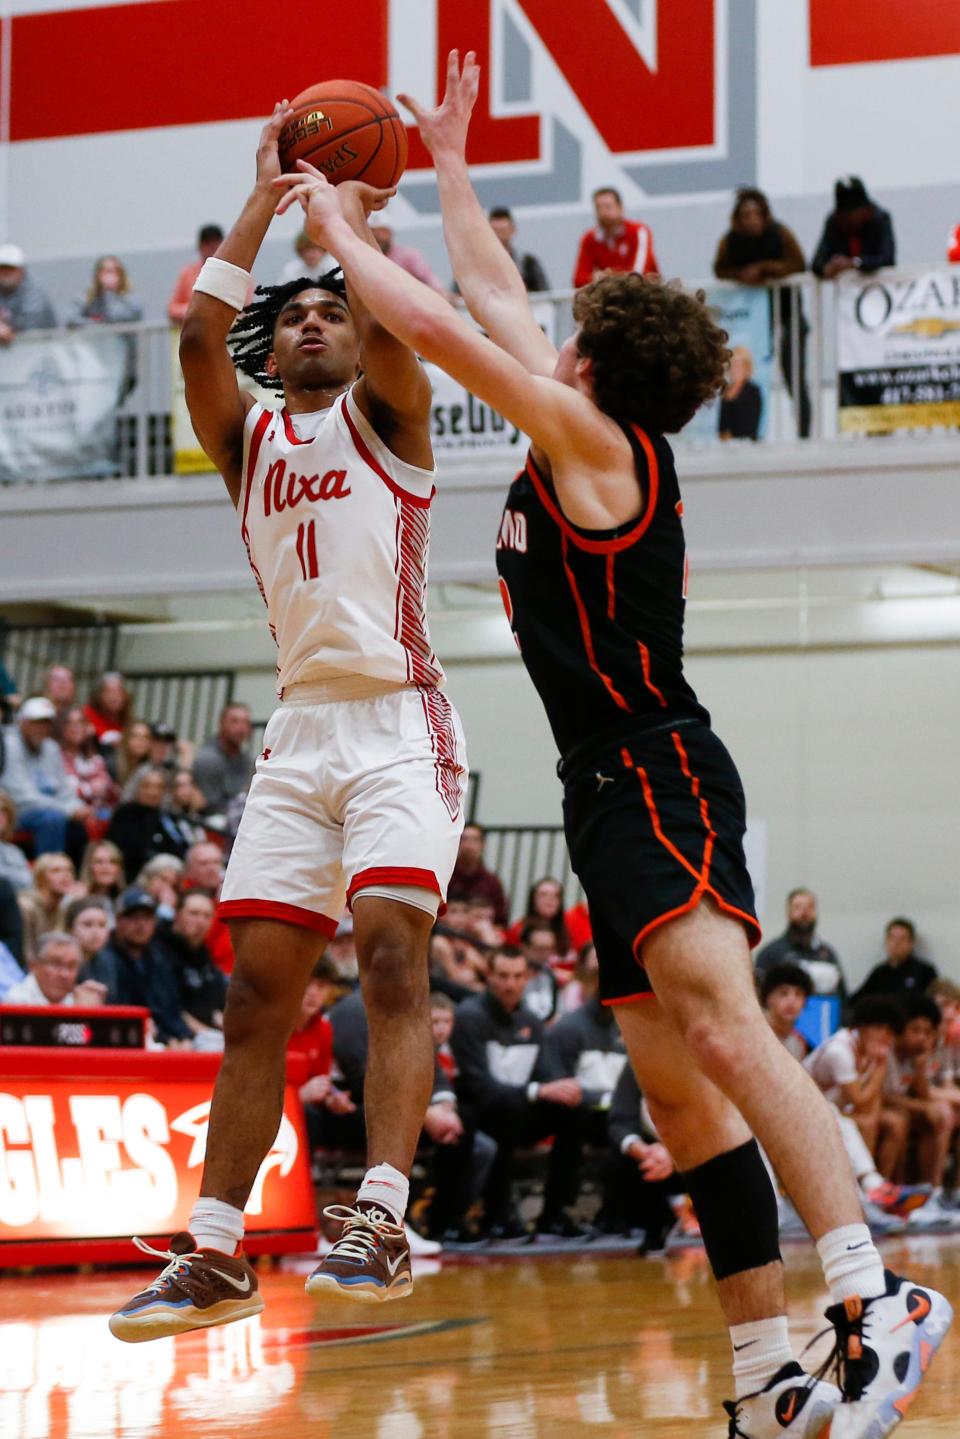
{"x": 598, "y": 615}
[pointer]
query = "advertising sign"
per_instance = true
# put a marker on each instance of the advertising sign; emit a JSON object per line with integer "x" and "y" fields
{"x": 898, "y": 339}
{"x": 103, "y": 1149}
{"x": 743, "y": 412}
{"x": 58, "y": 402}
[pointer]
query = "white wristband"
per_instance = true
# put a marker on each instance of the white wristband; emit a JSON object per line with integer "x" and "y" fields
{"x": 224, "y": 282}
{"x": 533, "y": 1092}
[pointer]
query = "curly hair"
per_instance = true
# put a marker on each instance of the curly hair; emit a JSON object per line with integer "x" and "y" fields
{"x": 657, "y": 354}
{"x": 251, "y": 335}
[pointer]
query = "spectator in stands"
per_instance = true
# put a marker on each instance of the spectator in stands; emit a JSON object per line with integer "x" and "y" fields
{"x": 101, "y": 873}
{"x": 161, "y": 754}
{"x": 11, "y": 921}
{"x": 953, "y": 246}
{"x": 857, "y": 234}
{"x": 442, "y": 1012}
{"x": 581, "y": 982}
{"x": 13, "y": 861}
{"x": 539, "y": 946}
{"x": 10, "y": 971}
{"x": 902, "y": 973}
{"x": 135, "y": 969}
{"x": 133, "y": 751}
{"x": 313, "y": 1039}
{"x": 209, "y": 240}
{"x": 408, "y": 258}
{"x": 615, "y": 243}
{"x": 60, "y": 688}
{"x": 162, "y": 877}
{"x": 504, "y": 227}
{"x": 89, "y": 922}
{"x": 504, "y": 1092}
{"x": 311, "y": 260}
{"x": 456, "y": 971}
{"x": 54, "y": 974}
{"x": 800, "y": 945}
{"x": 741, "y": 405}
{"x": 23, "y": 304}
{"x": 86, "y": 768}
{"x": 850, "y": 1068}
{"x": 10, "y": 697}
{"x": 140, "y": 828}
{"x": 783, "y": 993}
{"x": 640, "y": 1175}
{"x": 223, "y": 767}
{"x": 109, "y": 709}
{"x": 41, "y": 908}
{"x": 35, "y": 778}
{"x": 202, "y": 987}
{"x": 545, "y": 902}
{"x": 187, "y": 805}
{"x": 470, "y": 878}
{"x": 946, "y": 994}
{"x": 755, "y": 250}
{"x": 108, "y": 300}
{"x": 205, "y": 871}
{"x": 929, "y": 1118}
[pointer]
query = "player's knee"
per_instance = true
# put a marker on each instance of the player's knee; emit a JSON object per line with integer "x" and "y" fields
{"x": 941, "y": 1117}
{"x": 250, "y": 1001}
{"x": 392, "y": 978}
{"x": 720, "y": 1050}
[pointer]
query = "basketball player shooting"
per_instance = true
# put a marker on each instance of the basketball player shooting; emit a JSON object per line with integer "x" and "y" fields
{"x": 592, "y": 563}
{"x": 357, "y": 795}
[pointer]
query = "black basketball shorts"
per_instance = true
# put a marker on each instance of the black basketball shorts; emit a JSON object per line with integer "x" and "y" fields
{"x": 654, "y": 823}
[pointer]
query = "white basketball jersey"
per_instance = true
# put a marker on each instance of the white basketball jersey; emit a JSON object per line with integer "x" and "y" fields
{"x": 337, "y": 530}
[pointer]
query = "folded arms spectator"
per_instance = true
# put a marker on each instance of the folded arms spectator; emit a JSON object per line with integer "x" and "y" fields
{"x": 615, "y": 243}
{"x": 23, "y": 304}
{"x": 857, "y": 234}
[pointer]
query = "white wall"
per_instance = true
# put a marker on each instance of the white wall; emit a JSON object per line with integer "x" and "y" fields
{"x": 851, "y": 758}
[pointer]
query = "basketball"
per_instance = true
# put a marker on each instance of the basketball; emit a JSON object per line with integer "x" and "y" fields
{"x": 349, "y": 131}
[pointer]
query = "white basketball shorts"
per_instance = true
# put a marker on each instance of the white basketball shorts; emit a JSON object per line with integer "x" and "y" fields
{"x": 347, "y": 795}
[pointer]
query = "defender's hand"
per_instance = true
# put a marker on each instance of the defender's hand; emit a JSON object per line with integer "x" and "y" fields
{"x": 445, "y": 128}
{"x": 268, "y": 156}
{"x": 366, "y": 197}
{"x": 319, "y": 200}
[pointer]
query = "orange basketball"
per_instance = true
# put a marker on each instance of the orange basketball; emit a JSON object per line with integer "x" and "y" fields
{"x": 349, "y": 131}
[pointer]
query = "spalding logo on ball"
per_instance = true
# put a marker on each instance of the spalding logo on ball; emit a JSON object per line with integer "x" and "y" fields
{"x": 348, "y": 131}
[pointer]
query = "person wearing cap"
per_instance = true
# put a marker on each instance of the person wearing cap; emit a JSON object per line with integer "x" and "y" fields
{"x": 857, "y": 235}
{"x": 135, "y": 969}
{"x": 23, "y": 304}
{"x": 408, "y": 258}
{"x": 34, "y": 777}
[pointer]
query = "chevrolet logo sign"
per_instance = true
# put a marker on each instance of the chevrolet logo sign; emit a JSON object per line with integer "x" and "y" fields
{"x": 928, "y": 328}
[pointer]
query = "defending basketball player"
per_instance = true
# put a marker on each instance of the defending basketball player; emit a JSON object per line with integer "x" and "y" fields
{"x": 592, "y": 560}
{"x": 357, "y": 794}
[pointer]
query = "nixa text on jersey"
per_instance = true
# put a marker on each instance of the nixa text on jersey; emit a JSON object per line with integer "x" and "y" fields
{"x": 284, "y": 491}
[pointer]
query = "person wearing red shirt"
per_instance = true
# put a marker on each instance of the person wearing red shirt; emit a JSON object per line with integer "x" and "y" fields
{"x": 313, "y": 1038}
{"x": 615, "y": 244}
{"x": 953, "y": 248}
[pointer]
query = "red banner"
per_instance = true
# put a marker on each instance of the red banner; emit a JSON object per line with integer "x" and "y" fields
{"x": 111, "y": 1143}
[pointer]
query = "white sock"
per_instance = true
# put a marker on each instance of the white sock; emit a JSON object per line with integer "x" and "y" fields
{"x": 851, "y": 1263}
{"x": 760, "y": 1350}
{"x": 870, "y": 1182}
{"x": 215, "y": 1225}
{"x": 387, "y": 1187}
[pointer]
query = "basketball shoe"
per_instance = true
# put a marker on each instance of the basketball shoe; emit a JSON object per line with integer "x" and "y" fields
{"x": 794, "y": 1405}
{"x": 369, "y": 1262}
{"x": 198, "y": 1289}
{"x": 884, "y": 1347}
{"x": 900, "y": 1199}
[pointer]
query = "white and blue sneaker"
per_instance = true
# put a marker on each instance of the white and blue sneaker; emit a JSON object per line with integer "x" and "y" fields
{"x": 794, "y": 1405}
{"x": 884, "y": 1348}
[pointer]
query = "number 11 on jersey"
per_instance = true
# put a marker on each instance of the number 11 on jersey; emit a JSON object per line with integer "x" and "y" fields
{"x": 307, "y": 549}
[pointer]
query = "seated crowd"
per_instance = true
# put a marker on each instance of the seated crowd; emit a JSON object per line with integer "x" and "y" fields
{"x": 113, "y": 843}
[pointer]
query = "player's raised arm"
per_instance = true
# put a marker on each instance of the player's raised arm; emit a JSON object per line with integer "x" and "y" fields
{"x": 393, "y": 392}
{"x": 217, "y": 406}
{"x": 558, "y": 418}
{"x": 489, "y": 281}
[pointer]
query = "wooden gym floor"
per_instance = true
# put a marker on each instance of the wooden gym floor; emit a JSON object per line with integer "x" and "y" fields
{"x": 510, "y": 1349}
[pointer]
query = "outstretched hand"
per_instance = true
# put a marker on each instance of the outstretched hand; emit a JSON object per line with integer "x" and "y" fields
{"x": 445, "y": 128}
{"x": 324, "y": 204}
{"x": 268, "y": 155}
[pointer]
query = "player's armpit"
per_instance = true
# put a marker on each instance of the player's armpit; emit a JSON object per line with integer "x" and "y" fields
{"x": 394, "y": 394}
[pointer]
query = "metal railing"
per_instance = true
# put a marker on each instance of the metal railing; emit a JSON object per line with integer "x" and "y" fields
{"x": 189, "y": 701}
{"x": 28, "y": 651}
{"x": 51, "y": 382}
{"x": 522, "y": 854}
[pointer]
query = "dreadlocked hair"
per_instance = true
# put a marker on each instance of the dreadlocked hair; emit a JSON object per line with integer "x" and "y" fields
{"x": 657, "y": 352}
{"x": 250, "y": 340}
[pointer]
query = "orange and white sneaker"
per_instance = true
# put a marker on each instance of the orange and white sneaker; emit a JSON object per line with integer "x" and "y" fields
{"x": 884, "y": 1348}
{"x": 370, "y": 1261}
{"x": 198, "y": 1289}
{"x": 794, "y": 1405}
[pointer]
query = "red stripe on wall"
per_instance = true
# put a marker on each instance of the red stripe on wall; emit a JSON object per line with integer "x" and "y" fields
{"x": 859, "y": 32}
{"x": 176, "y": 62}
